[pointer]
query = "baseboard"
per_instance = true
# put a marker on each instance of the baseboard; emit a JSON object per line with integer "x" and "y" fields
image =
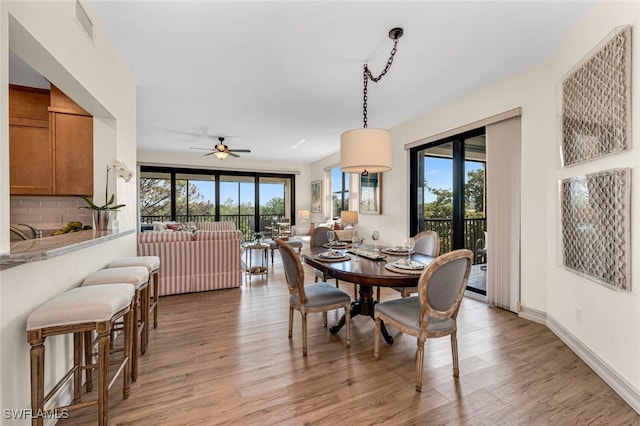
{"x": 533, "y": 315}
{"x": 601, "y": 368}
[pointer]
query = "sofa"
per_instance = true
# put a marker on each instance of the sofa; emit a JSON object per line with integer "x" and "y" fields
{"x": 207, "y": 259}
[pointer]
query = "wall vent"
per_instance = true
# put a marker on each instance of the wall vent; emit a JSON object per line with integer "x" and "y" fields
{"x": 84, "y": 20}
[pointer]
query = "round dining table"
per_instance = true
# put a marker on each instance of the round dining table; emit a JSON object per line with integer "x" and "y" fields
{"x": 366, "y": 273}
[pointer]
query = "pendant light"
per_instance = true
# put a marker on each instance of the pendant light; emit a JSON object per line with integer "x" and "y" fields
{"x": 368, "y": 150}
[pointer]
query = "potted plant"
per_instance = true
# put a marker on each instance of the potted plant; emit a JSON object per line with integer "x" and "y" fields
{"x": 102, "y": 213}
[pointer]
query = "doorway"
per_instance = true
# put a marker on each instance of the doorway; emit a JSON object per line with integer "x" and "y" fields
{"x": 448, "y": 195}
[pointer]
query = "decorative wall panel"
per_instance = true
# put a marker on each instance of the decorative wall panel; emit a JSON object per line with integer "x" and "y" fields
{"x": 595, "y": 212}
{"x": 596, "y": 101}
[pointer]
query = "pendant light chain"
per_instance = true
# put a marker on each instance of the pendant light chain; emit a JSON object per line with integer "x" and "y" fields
{"x": 367, "y": 75}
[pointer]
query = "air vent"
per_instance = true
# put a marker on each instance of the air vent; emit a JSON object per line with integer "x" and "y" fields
{"x": 84, "y": 20}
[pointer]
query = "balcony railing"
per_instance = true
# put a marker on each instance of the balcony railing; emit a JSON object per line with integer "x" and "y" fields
{"x": 473, "y": 230}
{"x": 243, "y": 222}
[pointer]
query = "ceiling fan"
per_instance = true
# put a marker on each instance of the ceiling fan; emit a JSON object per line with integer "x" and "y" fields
{"x": 222, "y": 151}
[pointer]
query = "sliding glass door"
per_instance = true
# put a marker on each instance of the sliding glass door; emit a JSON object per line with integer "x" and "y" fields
{"x": 448, "y": 195}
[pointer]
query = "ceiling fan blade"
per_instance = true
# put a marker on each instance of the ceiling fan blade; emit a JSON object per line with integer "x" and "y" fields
{"x": 239, "y": 150}
{"x": 209, "y": 153}
{"x": 182, "y": 132}
{"x": 205, "y": 149}
{"x": 231, "y": 154}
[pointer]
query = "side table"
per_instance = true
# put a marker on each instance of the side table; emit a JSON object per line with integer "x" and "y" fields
{"x": 251, "y": 269}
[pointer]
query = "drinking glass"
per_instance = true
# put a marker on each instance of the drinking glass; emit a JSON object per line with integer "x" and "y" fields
{"x": 331, "y": 236}
{"x": 409, "y": 244}
{"x": 375, "y": 236}
{"x": 356, "y": 241}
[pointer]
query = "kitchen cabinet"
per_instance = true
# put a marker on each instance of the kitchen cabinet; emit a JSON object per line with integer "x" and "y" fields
{"x": 30, "y": 150}
{"x": 50, "y": 144}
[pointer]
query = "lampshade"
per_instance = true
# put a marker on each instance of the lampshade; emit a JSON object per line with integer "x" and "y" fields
{"x": 303, "y": 214}
{"x": 349, "y": 216}
{"x": 221, "y": 154}
{"x": 365, "y": 150}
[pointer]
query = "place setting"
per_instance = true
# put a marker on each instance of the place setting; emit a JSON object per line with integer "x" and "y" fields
{"x": 404, "y": 265}
{"x": 332, "y": 256}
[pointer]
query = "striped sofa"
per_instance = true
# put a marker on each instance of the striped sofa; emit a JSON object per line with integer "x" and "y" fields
{"x": 207, "y": 260}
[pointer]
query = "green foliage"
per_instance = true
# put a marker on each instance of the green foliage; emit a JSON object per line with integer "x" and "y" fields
{"x": 474, "y": 190}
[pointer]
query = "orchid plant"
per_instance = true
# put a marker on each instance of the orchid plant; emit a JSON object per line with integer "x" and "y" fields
{"x": 122, "y": 172}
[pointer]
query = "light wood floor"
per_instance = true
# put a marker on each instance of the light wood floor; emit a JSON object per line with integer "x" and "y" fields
{"x": 223, "y": 357}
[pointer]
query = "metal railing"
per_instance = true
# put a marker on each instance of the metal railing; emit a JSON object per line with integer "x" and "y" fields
{"x": 473, "y": 231}
{"x": 243, "y": 222}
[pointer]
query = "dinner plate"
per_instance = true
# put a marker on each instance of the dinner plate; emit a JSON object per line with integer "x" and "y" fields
{"x": 339, "y": 244}
{"x": 413, "y": 266}
{"x": 332, "y": 255}
{"x": 397, "y": 249}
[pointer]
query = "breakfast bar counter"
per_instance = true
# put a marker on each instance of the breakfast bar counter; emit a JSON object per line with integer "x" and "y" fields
{"x": 38, "y": 249}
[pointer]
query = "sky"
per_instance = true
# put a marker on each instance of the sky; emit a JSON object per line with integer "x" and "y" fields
{"x": 230, "y": 190}
{"x": 438, "y": 173}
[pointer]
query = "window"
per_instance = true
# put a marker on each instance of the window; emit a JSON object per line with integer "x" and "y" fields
{"x": 186, "y": 195}
{"x": 339, "y": 191}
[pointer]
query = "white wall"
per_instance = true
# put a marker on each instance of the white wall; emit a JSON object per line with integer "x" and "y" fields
{"x": 174, "y": 159}
{"x": 47, "y": 36}
{"x": 610, "y": 319}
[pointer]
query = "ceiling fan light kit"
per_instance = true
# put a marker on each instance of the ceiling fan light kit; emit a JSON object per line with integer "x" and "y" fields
{"x": 222, "y": 151}
{"x": 367, "y": 150}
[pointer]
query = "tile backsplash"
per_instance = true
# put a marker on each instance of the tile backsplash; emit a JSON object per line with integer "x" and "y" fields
{"x": 48, "y": 212}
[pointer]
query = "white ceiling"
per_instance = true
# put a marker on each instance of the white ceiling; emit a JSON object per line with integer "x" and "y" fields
{"x": 284, "y": 79}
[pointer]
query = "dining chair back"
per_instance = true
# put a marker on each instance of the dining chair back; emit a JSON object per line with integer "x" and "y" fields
{"x": 427, "y": 242}
{"x": 434, "y": 312}
{"x": 318, "y": 239}
{"x": 319, "y": 297}
{"x": 319, "y": 236}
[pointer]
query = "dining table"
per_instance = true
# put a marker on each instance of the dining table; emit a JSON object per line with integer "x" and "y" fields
{"x": 367, "y": 271}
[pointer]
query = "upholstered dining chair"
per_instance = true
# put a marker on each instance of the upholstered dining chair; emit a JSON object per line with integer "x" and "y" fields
{"x": 318, "y": 239}
{"x": 434, "y": 312}
{"x": 318, "y": 297}
{"x": 427, "y": 242}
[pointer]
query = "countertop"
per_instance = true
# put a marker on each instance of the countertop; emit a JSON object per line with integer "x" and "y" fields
{"x": 21, "y": 252}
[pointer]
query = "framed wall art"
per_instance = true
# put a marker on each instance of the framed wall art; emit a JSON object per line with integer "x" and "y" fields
{"x": 371, "y": 193}
{"x": 595, "y": 218}
{"x": 596, "y": 101}
{"x": 316, "y": 196}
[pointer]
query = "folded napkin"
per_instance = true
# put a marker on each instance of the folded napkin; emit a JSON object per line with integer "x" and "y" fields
{"x": 365, "y": 253}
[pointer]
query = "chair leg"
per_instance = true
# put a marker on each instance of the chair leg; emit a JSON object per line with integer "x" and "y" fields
{"x": 156, "y": 289}
{"x": 304, "y": 334}
{"x": 37, "y": 375}
{"x": 88, "y": 360}
{"x": 324, "y": 319}
{"x": 378, "y": 294}
{"x": 419, "y": 361}
{"x": 347, "y": 320}
{"x": 104, "y": 333}
{"x": 290, "y": 322}
{"x": 454, "y": 353}
{"x": 77, "y": 366}
{"x": 376, "y": 339}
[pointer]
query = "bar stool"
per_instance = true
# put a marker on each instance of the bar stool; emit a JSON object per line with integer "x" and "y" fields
{"x": 77, "y": 311}
{"x": 138, "y": 277}
{"x": 152, "y": 263}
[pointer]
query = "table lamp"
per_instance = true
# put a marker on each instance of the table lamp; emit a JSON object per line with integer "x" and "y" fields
{"x": 303, "y": 215}
{"x": 349, "y": 218}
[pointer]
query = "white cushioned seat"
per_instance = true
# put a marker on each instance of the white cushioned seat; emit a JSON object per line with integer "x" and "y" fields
{"x": 82, "y": 304}
{"x": 152, "y": 263}
{"x": 320, "y": 294}
{"x": 407, "y": 311}
{"x": 136, "y": 275}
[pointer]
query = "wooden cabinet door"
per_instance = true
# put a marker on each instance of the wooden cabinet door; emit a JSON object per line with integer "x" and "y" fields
{"x": 30, "y": 157}
{"x": 72, "y": 137}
